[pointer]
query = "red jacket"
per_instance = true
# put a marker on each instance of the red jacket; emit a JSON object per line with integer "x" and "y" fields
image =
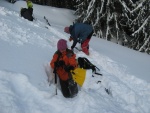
{"x": 70, "y": 60}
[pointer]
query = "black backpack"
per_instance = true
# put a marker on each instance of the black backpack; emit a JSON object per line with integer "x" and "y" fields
{"x": 86, "y": 64}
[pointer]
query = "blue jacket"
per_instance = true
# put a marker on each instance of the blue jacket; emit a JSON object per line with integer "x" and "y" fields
{"x": 80, "y": 32}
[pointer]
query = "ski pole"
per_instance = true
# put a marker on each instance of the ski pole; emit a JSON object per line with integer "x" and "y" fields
{"x": 55, "y": 79}
{"x": 56, "y": 82}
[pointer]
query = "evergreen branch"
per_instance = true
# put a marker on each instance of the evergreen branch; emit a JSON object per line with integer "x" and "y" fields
{"x": 141, "y": 27}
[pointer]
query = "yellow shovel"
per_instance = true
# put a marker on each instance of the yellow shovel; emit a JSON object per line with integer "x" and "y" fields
{"x": 79, "y": 75}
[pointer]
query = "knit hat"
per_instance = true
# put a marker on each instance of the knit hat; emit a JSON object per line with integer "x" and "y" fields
{"x": 62, "y": 45}
{"x": 29, "y": 4}
{"x": 66, "y": 29}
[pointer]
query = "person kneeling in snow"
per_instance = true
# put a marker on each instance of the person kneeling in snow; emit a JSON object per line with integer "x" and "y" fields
{"x": 80, "y": 33}
{"x": 63, "y": 61}
{"x": 27, "y": 13}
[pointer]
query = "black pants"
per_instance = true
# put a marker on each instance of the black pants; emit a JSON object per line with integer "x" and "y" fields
{"x": 69, "y": 88}
{"x": 64, "y": 88}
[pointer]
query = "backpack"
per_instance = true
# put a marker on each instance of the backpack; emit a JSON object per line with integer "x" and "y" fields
{"x": 86, "y": 64}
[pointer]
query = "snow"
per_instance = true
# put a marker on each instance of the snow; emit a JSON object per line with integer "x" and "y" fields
{"x": 26, "y": 48}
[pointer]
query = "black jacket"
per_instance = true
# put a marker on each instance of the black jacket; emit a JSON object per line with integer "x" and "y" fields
{"x": 27, "y": 13}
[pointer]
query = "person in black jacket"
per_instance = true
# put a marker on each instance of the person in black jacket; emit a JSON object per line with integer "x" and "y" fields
{"x": 27, "y": 13}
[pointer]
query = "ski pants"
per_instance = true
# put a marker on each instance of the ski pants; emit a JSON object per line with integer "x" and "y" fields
{"x": 85, "y": 44}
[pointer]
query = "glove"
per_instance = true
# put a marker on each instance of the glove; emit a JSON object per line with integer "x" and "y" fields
{"x": 70, "y": 39}
{"x": 72, "y": 48}
{"x": 56, "y": 64}
{"x": 59, "y": 63}
{"x": 68, "y": 68}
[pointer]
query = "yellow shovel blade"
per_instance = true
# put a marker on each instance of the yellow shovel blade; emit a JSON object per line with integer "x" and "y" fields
{"x": 79, "y": 75}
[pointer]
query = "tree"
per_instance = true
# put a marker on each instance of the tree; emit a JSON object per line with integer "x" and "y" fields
{"x": 140, "y": 26}
{"x": 126, "y": 21}
{"x": 70, "y": 4}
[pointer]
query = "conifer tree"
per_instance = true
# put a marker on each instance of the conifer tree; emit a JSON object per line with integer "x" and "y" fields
{"x": 127, "y": 21}
{"x": 140, "y": 26}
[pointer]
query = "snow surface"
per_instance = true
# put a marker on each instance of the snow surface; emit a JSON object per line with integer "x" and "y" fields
{"x": 26, "y": 48}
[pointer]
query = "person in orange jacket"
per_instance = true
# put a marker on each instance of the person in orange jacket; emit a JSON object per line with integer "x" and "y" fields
{"x": 62, "y": 62}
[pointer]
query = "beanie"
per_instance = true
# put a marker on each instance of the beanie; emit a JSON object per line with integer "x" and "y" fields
{"x": 29, "y": 4}
{"x": 62, "y": 45}
{"x": 66, "y": 29}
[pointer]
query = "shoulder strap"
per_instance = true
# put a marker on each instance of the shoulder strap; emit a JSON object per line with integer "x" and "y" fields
{"x": 91, "y": 63}
{"x": 59, "y": 54}
{"x": 88, "y": 61}
{"x": 69, "y": 54}
{"x": 69, "y": 51}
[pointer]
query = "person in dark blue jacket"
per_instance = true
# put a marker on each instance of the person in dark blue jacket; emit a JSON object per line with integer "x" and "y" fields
{"x": 80, "y": 33}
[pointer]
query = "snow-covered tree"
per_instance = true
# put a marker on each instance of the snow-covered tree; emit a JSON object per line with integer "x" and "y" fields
{"x": 126, "y": 21}
{"x": 70, "y": 4}
{"x": 102, "y": 15}
{"x": 140, "y": 26}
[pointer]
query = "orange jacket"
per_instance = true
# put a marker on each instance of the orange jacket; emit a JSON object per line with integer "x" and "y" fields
{"x": 70, "y": 60}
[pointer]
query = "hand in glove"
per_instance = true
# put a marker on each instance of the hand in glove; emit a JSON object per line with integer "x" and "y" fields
{"x": 68, "y": 68}
{"x": 59, "y": 63}
{"x": 70, "y": 39}
{"x": 72, "y": 48}
{"x": 56, "y": 64}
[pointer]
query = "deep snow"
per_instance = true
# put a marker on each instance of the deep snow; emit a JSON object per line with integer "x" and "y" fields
{"x": 26, "y": 48}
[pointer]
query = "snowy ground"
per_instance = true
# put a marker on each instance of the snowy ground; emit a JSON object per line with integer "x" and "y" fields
{"x": 27, "y": 47}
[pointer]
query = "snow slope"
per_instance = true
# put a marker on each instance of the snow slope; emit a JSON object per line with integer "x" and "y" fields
{"x": 26, "y": 48}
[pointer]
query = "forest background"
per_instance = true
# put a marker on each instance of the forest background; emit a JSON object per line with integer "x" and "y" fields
{"x": 125, "y": 22}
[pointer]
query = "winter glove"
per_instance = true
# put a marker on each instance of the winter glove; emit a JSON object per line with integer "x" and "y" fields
{"x": 68, "y": 68}
{"x": 56, "y": 64}
{"x": 61, "y": 63}
{"x": 72, "y": 48}
{"x": 70, "y": 39}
